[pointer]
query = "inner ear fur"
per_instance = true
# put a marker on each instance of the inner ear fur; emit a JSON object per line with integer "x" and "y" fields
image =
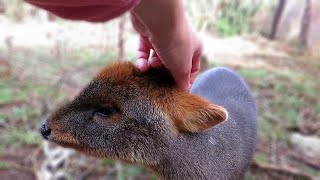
{"x": 192, "y": 113}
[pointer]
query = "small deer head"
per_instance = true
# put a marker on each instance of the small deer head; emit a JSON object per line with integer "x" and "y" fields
{"x": 128, "y": 115}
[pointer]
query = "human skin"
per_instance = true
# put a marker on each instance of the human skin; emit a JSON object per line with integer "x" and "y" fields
{"x": 163, "y": 28}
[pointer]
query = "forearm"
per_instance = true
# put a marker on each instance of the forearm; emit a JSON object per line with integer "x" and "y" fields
{"x": 88, "y": 10}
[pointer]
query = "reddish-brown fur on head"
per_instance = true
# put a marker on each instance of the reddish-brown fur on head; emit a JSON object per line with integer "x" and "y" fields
{"x": 194, "y": 114}
{"x": 188, "y": 113}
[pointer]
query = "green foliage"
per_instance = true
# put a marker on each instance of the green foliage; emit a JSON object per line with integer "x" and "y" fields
{"x": 265, "y": 126}
{"x": 4, "y": 165}
{"x": 287, "y": 92}
{"x": 311, "y": 171}
{"x": 225, "y": 28}
{"x": 248, "y": 177}
{"x": 154, "y": 177}
{"x": 260, "y": 157}
{"x": 16, "y": 137}
{"x": 6, "y": 95}
{"x": 235, "y": 17}
{"x": 128, "y": 171}
{"x": 133, "y": 171}
{"x": 2, "y": 116}
{"x": 317, "y": 108}
{"x": 254, "y": 74}
{"x": 107, "y": 162}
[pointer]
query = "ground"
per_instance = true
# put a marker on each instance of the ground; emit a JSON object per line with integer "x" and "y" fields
{"x": 283, "y": 78}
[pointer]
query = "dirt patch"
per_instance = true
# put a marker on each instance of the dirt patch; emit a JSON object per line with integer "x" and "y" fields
{"x": 16, "y": 174}
{"x": 19, "y": 164}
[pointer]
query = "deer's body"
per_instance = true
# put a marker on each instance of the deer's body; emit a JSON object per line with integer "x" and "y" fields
{"x": 224, "y": 151}
{"x": 145, "y": 119}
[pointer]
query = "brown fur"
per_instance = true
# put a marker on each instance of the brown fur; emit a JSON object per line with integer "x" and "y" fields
{"x": 66, "y": 140}
{"x": 191, "y": 112}
{"x": 117, "y": 71}
{"x": 183, "y": 111}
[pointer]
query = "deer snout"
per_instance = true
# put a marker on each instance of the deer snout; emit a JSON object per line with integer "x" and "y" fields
{"x": 45, "y": 131}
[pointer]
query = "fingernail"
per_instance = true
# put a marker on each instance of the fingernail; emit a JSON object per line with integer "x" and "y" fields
{"x": 142, "y": 65}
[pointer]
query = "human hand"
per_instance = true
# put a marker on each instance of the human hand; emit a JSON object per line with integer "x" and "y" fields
{"x": 173, "y": 43}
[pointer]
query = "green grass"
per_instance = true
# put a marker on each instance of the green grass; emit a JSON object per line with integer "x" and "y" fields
{"x": 24, "y": 112}
{"x": 4, "y": 165}
{"x": 127, "y": 170}
{"x": 17, "y": 137}
{"x": 9, "y": 93}
{"x": 254, "y": 73}
{"x": 35, "y": 77}
{"x": 248, "y": 177}
{"x": 133, "y": 171}
{"x": 260, "y": 157}
{"x": 317, "y": 108}
{"x": 107, "y": 162}
{"x": 6, "y": 95}
{"x": 290, "y": 92}
{"x": 312, "y": 172}
{"x": 2, "y": 116}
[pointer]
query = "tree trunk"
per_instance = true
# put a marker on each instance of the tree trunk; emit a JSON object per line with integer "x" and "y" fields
{"x": 2, "y": 7}
{"x": 305, "y": 24}
{"x": 276, "y": 18}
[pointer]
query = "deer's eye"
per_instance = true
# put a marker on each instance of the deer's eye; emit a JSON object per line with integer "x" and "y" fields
{"x": 106, "y": 111}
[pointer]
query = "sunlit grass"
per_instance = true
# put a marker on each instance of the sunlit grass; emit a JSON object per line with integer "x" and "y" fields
{"x": 4, "y": 165}
{"x": 17, "y": 137}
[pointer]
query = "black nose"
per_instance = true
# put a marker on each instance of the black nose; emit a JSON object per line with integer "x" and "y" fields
{"x": 45, "y": 131}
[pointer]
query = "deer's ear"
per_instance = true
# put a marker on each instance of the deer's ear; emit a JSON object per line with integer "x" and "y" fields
{"x": 191, "y": 113}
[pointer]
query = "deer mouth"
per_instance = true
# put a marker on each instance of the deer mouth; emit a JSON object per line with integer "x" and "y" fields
{"x": 61, "y": 138}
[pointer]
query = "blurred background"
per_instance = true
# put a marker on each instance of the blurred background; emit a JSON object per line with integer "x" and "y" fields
{"x": 273, "y": 44}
